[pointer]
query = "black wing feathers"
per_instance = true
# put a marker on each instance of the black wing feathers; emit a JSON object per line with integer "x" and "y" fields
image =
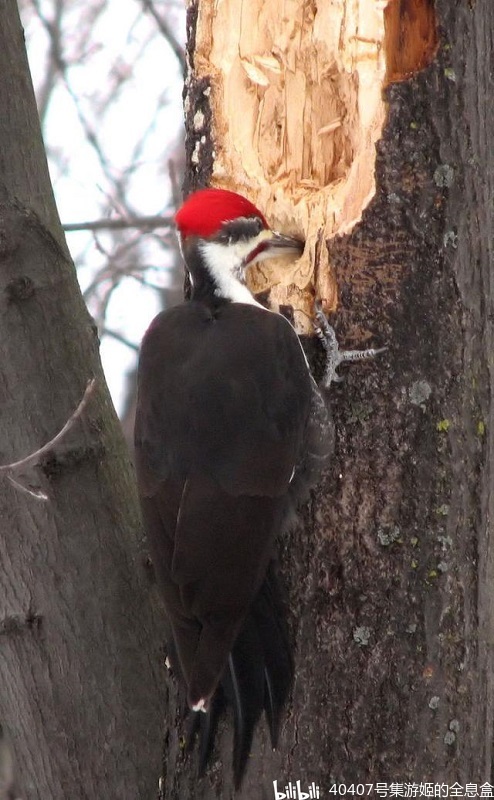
{"x": 226, "y": 397}
{"x": 222, "y": 422}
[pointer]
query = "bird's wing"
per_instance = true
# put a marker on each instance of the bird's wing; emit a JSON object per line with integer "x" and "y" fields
{"x": 225, "y": 394}
{"x": 222, "y": 410}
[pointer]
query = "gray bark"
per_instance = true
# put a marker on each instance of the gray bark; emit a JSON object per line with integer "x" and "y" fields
{"x": 81, "y": 674}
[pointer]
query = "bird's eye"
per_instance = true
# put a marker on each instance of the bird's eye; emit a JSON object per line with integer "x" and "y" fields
{"x": 224, "y": 237}
{"x": 259, "y": 225}
{"x": 229, "y": 234}
{"x": 241, "y": 229}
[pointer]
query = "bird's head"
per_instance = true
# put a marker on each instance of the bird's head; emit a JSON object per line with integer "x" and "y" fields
{"x": 223, "y": 233}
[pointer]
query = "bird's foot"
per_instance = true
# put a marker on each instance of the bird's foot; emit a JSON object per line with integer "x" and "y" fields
{"x": 335, "y": 356}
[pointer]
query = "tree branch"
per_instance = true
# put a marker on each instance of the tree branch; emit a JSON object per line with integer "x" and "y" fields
{"x": 142, "y": 223}
{"x": 119, "y": 338}
{"x": 165, "y": 30}
{"x": 33, "y": 457}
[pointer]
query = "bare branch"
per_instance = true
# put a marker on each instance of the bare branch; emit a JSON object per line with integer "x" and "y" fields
{"x": 34, "y": 457}
{"x": 175, "y": 184}
{"x": 119, "y": 338}
{"x": 39, "y": 494}
{"x": 166, "y": 31}
{"x": 141, "y": 223}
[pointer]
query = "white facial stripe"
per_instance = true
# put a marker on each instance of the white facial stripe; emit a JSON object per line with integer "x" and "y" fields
{"x": 225, "y": 264}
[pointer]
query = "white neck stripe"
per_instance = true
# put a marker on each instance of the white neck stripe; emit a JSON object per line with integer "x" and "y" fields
{"x": 224, "y": 263}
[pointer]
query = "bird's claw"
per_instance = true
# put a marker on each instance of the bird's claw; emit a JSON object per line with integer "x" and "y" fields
{"x": 334, "y": 356}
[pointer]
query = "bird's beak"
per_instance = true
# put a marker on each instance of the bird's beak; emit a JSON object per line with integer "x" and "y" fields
{"x": 272, "y": 244}
{"x": 279, "y": 245}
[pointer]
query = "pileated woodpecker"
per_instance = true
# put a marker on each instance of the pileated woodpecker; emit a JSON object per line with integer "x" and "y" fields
{"x": 230, "y": 428}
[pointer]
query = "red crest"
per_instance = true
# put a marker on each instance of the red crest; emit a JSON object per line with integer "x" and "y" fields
{"x": 204, "y": 212}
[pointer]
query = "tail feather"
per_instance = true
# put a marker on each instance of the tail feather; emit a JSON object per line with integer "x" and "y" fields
{"x": 257, "y": 678}
{"x": 203, "y": 726}
{"x": 243, "y": 684}
{"x": 278, "y": 664}
{"x": 208, "y": 724}
{"x": 260, "y": 670}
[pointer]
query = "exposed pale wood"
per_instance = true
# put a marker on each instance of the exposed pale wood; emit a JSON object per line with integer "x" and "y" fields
{"x": 296, "y": 97}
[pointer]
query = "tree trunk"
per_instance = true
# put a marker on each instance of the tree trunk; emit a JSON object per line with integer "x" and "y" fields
{"x": 390, "y": 571}
{"x": 81, "y": 683}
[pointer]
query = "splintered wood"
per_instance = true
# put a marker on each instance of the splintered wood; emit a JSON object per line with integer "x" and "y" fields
{"x": 297, "y": 107}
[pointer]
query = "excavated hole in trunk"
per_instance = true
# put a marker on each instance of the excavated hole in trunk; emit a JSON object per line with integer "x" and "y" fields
{"x": 297, "y": 108}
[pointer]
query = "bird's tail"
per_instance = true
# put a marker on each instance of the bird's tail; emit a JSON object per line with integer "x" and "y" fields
{"x": 258, "y": 677}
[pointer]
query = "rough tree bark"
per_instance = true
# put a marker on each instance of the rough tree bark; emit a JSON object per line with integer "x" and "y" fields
{"x": 391, "y": 568}
{"x": 81, "y": 687}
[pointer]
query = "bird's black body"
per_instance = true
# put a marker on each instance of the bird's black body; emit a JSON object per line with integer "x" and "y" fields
{"x": 219, "y": 432}
{"x": 229, "y": 422}
{"x": 229, "y": 389}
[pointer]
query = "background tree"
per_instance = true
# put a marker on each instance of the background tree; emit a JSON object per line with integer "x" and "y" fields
{"x": 390, "y": 570}
{"x": 81, "y": 675}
